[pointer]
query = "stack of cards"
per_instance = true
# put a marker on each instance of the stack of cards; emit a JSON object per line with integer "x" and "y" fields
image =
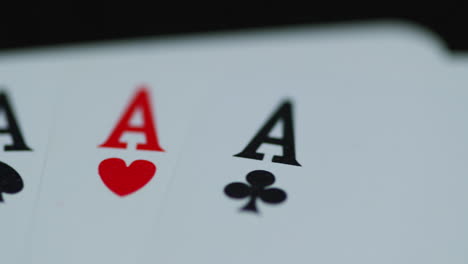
{"x": 341, "y": 144}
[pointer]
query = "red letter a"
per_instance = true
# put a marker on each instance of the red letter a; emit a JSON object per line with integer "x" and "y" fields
{"x": 141, "y": 102}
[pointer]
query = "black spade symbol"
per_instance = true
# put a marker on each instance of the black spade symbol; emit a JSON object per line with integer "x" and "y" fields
{"x": 259, "y": 181}
{"x": 10, "y": 180}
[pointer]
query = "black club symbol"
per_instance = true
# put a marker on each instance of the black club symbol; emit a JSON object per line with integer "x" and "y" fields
{"x": 259, "y": 180}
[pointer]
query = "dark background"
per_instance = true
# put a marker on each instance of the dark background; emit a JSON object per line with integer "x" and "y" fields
{"x": 46, "y": 23}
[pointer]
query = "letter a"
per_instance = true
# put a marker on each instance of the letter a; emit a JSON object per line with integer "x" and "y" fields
{"x": 12, "y": 126}
{"x": 284, "y": 113}
{"x": 141, "y": 102}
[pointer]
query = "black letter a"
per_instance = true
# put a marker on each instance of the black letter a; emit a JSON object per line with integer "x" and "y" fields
{"x": 284, "y": 113}
{"x": 12, "y": 126}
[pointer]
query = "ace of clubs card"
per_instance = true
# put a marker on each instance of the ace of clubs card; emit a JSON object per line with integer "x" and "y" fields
{"x": 324, "y": 148}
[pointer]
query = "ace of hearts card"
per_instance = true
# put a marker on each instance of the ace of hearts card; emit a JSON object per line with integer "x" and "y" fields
{"x": 115, "y": 143}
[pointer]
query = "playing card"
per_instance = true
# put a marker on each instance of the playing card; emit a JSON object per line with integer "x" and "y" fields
{"x": 27, "y": 98}
{"x": 118, "y": 132}
{"x": 326, "y": 147}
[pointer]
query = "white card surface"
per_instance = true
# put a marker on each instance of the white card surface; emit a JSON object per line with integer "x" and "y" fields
{"x": 379, "y": 138}
{"x": 26, "y": 112}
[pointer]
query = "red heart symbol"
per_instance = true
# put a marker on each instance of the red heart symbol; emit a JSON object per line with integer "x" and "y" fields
{"x": 123, "y": 180}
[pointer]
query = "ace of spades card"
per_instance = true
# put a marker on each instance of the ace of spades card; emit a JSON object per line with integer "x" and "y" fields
{"x": 115, "y": 144}
{"x": 322, "y": 147}
{"x": 27, "y": 99}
